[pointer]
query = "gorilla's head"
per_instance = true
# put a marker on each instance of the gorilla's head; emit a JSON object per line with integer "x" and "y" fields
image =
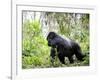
{"x": 50, "y": 37}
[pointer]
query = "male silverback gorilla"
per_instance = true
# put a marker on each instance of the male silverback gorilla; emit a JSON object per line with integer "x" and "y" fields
{"x": 65, "y": 48}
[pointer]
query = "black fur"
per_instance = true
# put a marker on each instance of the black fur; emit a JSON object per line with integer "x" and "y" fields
{"x": 65, "y": 48}
{"x": 53, "y": 54}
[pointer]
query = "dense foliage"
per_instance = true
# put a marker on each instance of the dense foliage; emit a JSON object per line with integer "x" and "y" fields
{"x": 35, "y": 51}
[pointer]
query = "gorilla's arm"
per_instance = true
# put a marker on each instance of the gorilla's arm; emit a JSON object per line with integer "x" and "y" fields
{"x": 53, "y": 53}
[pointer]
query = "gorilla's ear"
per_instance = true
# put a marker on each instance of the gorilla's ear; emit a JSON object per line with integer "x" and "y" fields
{"x": 51, "y": 35}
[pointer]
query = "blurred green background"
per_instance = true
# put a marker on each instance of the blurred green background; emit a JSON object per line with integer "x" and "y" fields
{"x": 37, "y": 25}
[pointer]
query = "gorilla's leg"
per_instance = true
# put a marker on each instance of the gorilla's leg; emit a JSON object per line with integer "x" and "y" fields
{"x": 71, "y": 59}
{"x": 77, "y": 51}
{"x": 61, "y": 58}
{"x": 79, "y": 55}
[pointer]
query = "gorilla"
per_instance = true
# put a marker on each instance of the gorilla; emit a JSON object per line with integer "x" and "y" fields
{"x": 64, "y": 48}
